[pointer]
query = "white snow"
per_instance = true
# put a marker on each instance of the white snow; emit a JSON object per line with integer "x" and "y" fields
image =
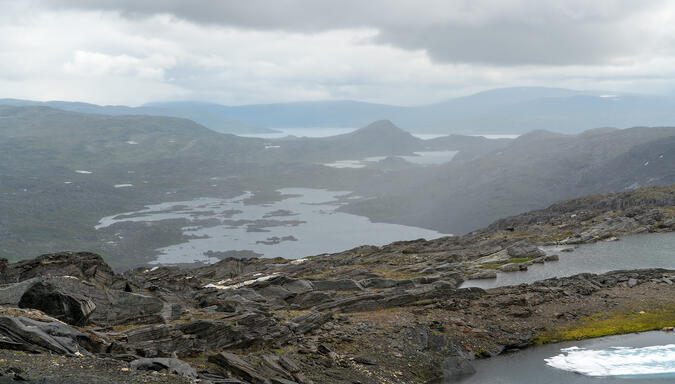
{"x": 617, "y": 361}
{"x": 221, "y": 284}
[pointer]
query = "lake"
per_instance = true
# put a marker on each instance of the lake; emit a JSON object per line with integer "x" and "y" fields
{"x": 420, "y": 158}
{"x": 303, "y": 222}
{"x": 651, "y": 250}
{"x": 333, "y": 131}
{"x": 642, "y": 358}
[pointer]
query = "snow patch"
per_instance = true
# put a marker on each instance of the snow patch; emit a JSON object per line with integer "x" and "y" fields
{"x": 221, "y": 284}
{"x": 656, "y": 360}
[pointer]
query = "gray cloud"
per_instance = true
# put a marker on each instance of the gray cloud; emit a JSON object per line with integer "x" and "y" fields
{"x": 498, "y": 32}
{"x": 386, "y": 51}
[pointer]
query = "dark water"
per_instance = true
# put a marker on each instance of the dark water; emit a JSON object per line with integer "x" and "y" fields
{"x": 650, "y": 354}
{"x": 652, "y": 250}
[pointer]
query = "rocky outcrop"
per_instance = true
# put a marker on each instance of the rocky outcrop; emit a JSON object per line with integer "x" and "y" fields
{"x": 45, "y": 335}
{"x": 524, "y": 250}
{"x": 85, "y": 266}
{"x": 71, "y": 308}
{"x": 76, "y": 301}
{"x": 456, "y": 367}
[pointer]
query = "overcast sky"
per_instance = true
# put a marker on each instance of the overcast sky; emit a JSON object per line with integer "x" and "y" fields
{"x": 386, "y": 51}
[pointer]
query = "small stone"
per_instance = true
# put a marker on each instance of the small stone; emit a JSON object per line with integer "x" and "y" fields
{"x": 364, "y": 360}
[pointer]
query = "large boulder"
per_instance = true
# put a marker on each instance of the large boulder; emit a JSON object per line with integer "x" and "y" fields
{"x": 455, "y": 367}
{"x": 71, "y": 308}
{"x": 45, "y": 335}
{"x": 525, "y": 250}
{"x": 110, "y": 306}
{"x": 172, "y": 365}
{"x": 85, "y": 266}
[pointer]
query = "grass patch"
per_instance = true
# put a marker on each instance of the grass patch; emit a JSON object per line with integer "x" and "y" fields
{"x": 491, "y": 265}
{"x": 521, "y": 259}
{"x": 599, "y": 325}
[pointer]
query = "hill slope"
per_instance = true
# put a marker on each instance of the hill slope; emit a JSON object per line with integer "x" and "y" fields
{"x": 202, "y": 114}
{"x": 531, "y": 172}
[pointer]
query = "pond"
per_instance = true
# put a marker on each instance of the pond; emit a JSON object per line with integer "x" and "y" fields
{"x": 651, "y": 250}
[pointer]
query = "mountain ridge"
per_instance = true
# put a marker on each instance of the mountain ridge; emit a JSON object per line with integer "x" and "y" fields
{"x": 513, "y": 110}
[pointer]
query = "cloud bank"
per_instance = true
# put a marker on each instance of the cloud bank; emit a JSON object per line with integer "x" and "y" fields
{"x": 390, "y": 51}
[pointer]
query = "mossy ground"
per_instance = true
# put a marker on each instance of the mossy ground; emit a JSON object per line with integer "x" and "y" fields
{"x": 617, "y": 323}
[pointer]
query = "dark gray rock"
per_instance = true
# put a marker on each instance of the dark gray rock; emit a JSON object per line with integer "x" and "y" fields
{"x": 311, "y": 299}
{"x": 456, "y": 367}
{"x": 386, "y": 283}
{"x": 305, "y": 323}
{"x": 278, "y": 380}
{"x": 337, "y": 285}
{"x": 71, "y": 308}
{"x": 513, "y": 267}
{"x": 276, "y": 292}
{"x": 24, "y": 334}
{"x": 85, "y": 266}
{"x": 525, "y": 250}
{"x": 364, "y": 360}
{"x": 112, "y": 307}
{"x": 238, "y": 367}
{"x": 172, "y": 365}
{"x": 668, "y": 224}
{"x": 299, "y": 286}
{"x": 483, "y": 275}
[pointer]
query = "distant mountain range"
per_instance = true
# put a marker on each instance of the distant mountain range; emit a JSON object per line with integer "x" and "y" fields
{"x": 207, "y": 117}
{"x": 498, "y": 111}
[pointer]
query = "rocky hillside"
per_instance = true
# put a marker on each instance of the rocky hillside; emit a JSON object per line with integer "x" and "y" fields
{"x": 391, "y": 314}
{"x": 531, "y": 172}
